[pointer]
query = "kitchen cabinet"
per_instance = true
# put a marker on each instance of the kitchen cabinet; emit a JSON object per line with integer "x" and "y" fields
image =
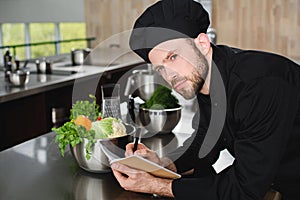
{"x": 22, "y": 119}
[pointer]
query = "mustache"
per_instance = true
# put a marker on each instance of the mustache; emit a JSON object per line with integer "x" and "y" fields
{"x": 196, "y": 79}
{"x": 177, "y": 80}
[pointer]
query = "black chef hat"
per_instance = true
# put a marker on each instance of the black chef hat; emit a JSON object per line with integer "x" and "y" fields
{"x": 166, "y": 20}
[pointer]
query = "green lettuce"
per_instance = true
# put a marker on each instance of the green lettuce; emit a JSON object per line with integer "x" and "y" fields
{"x": 103, "y": 128}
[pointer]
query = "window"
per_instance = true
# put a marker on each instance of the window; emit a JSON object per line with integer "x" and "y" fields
{"x": 71, "y": 31}
{"x": 14, "y": 34}
{"x": 42, "y": 32}
{"x": 21, "y": 33}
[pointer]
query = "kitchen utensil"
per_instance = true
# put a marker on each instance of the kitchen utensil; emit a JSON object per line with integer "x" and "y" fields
{"x": 111, "y": 100}
{"x": 40, "y": 66}
{"x": 48, "y": 67}
{"x": 25, "y": 64}
{"x": 18, "y": 77}
{"x": 79, "y": 55}
{"x": 137, "y": 139}
{"x": 159, "y": 121}
{"x": 143, "y": 83}
{"x": 212, "y": 35}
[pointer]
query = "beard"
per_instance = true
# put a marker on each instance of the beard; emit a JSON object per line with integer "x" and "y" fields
{"x": 197, "y": 77}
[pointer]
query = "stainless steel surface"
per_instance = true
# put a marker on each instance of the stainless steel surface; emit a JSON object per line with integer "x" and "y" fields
{"x": 111, "y": 100}
{"x": 44, "y": 82}
{"x": 212, "y": 35}
{"x": 19, "y": 77}
{"x": 98, "y": 162}
{"x": 162, "y": 144}
{"x": 143, "y": 83}
{"x": 160, "y": 121}
{"x": 78, "y": 56}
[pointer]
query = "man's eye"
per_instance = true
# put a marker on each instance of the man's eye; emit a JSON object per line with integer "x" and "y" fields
{"x": 173, "y": 57}
{"x": 159, "y": 68}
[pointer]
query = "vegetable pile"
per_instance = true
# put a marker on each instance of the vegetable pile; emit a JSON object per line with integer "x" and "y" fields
{"x": 86, "y": 122}
{"x": 162, "y": 98}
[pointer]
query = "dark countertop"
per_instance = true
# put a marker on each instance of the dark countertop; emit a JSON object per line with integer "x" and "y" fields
{"x": 36, "y": 170}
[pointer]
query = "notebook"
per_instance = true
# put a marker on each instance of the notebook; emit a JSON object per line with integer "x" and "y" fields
{"x": 140, "y": 163}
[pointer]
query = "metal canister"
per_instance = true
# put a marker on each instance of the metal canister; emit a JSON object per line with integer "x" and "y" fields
{"x": 77, "y": 56}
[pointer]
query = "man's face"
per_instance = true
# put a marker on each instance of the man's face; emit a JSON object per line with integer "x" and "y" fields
{"x": 181, "y": 64}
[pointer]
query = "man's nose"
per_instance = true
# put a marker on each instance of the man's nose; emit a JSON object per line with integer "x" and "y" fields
{"x": 170, "y": 74}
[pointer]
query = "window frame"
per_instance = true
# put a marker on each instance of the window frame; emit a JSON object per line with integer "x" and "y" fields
{"x": 57, "y": 37}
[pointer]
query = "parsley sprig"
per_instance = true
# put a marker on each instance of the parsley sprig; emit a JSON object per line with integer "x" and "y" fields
{"x": 71, "y": 134}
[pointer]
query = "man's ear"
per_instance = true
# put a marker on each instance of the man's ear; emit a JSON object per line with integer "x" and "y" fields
{"x": 203, "y": 43}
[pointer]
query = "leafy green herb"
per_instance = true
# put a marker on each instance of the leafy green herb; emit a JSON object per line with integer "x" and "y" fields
{"x": 65, "y": 135}
{"x": 70, "y": 134}
{"x": 162, "y": 98}
{"x": 90, "y": 110}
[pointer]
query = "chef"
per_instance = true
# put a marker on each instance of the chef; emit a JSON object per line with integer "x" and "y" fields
{"x": 249, "y": 104}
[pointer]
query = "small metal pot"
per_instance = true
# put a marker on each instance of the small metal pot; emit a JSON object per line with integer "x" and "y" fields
{"x": 79, "y": 55}
{"x": 18, "y": 78}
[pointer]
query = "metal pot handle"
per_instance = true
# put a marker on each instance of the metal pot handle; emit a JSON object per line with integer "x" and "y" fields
{"x": 129, "y": 84}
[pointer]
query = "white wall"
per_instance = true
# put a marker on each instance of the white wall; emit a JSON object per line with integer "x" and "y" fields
{"x": 41, "y": 11}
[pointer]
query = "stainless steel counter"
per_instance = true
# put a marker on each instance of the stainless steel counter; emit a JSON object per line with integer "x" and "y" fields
{"x": 102, "y": 60}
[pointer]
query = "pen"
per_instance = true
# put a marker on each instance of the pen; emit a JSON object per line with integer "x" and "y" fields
{"x": 137, "y": 139}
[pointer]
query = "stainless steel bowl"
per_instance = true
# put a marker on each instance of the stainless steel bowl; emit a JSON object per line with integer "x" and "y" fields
{"x": 19, "y": 77}
{"x": 160, "y": 121}
{"x": 98, "y": 162}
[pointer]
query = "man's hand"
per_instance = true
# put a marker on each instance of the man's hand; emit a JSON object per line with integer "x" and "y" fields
{"x": 140, "y": 181}
{"x": 142, "y": 151}
{"x": 145, "y": 152}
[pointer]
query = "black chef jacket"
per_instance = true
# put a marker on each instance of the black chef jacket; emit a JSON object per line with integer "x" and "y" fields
{"x": 261, "y": 130}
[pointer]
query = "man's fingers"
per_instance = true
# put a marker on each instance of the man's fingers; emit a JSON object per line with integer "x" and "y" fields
{"x": 119, "y": 176}
{"x": 124, "y": 169}
{"x": 142, "y": 152}
{"x": 129, "y": 148}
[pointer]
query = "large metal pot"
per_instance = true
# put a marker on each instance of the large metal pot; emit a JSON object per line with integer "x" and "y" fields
{"x": 143, "y": 83}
